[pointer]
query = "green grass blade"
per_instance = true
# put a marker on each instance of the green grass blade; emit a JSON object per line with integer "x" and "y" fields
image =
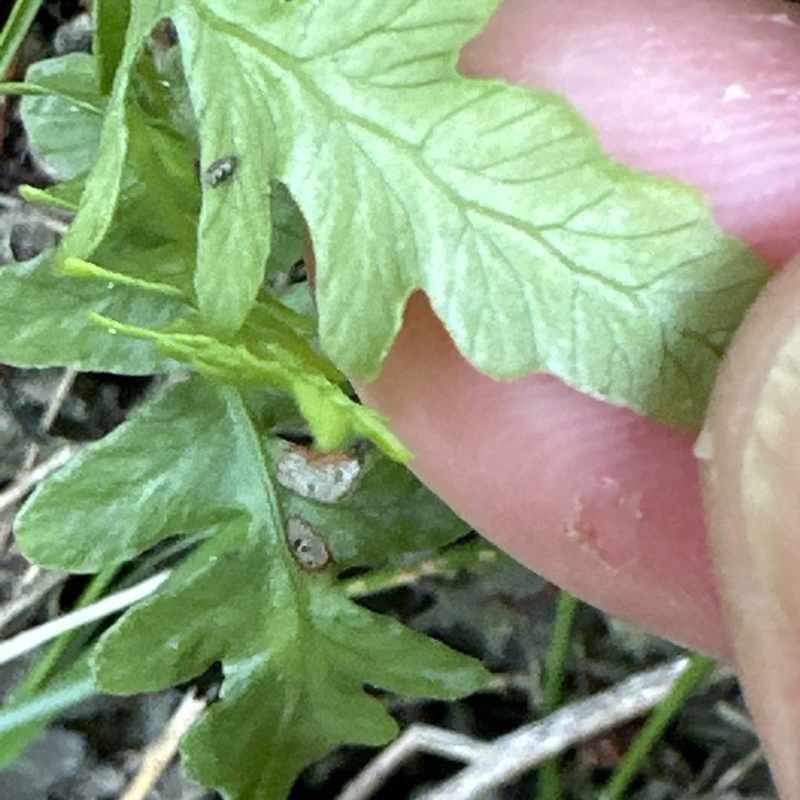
{"x": 42, "y": 693}
{"x": 549, "y": 782}
{"x": 18, "y": 24}
{"x": 699, "y": 669}
{"x": 46, "y": 705}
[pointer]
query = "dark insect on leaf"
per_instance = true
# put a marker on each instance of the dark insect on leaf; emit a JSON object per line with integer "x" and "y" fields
{"x": 221, "y": 170}
{"x": 307, "y": 547}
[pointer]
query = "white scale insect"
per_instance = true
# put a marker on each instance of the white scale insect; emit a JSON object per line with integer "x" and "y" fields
{"x": 324, "y": 477}
{"x": 307, "y": 547}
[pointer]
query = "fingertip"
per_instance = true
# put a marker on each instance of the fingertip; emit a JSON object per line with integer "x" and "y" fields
{"x": 600, "y": 500}
{"x": 531, "y": 463}
{"x": 752, "y": 499}
{"x": 706, "y": 92}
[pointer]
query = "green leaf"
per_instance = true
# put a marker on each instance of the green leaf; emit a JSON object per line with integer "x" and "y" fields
{"x": 145, "y": 162}
{"x": 104, "y": 184}
{"x": 226, "y": 577}
{"x": 177, "y": 465}
{"x": 387, "y": 513}
{"x": 43, "y": 321}
{"x": 536, "y": 250}
{"x": 233, "y": 247}
{"x": 111, "y": 21}
{"x": 288, "y": 240}
{"x": 154, "y": 234}
{"x": 153, "y": 239}
{"x": 64, "y": 119}
{"x": 296, "y": 653}
{"x": 155, "y": 224}
{"x": 191, "y": 461}
{"x": 296, "y": 656}
{"x": 291, "y": 708}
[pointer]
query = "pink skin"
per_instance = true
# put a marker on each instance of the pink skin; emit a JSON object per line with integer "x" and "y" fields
{"x": 601, "y": 501}
{"x": 597, "y": 499}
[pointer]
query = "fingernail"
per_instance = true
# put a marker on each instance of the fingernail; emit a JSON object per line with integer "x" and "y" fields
{"x": 753, "y": 439}
{"x": 770, "y": 477}
{"x": 750, "y": 451}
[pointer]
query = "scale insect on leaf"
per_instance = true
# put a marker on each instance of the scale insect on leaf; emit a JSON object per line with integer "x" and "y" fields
{"x": 307, "y": 547}
{"x": 221, "y": 170}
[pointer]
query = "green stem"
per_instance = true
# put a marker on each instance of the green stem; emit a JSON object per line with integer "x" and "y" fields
{"x": 549, "y": 782}
{"x": 34, "y": 195}
{"x": 699, "y": 669}
{"x": 450, "y": 561}
{"x": 16, "y": 28}
{"x": 79, "y": 268}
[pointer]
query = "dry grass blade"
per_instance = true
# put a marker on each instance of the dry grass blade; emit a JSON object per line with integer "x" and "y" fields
{"x": 34, "y": 637}
{"x": 164, "y": 749}
{"x": 27, "y": 481}
{"x": 37, "y": 588}
{"x": 50, "y": 414}
{"x": 731, "y": 777}
{"x": 493, "y": 764}
{"x": 515, "y": 753}
{"x": 15, "y": 496}
{"x": 415, "y": 739}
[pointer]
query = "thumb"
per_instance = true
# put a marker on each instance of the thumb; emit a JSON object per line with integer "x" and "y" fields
{"x": 751, "y": 453}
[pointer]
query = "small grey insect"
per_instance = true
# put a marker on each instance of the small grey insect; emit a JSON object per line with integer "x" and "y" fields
{"x": 221, "y": 170}
{"x": 307, "y": 547}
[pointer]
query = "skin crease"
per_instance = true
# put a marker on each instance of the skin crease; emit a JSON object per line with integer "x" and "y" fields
{"x": 599, "y": 500}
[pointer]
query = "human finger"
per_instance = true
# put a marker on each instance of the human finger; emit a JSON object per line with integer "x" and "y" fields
{"x": 594, "y": 497}
{"x": 752, "y": 475}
